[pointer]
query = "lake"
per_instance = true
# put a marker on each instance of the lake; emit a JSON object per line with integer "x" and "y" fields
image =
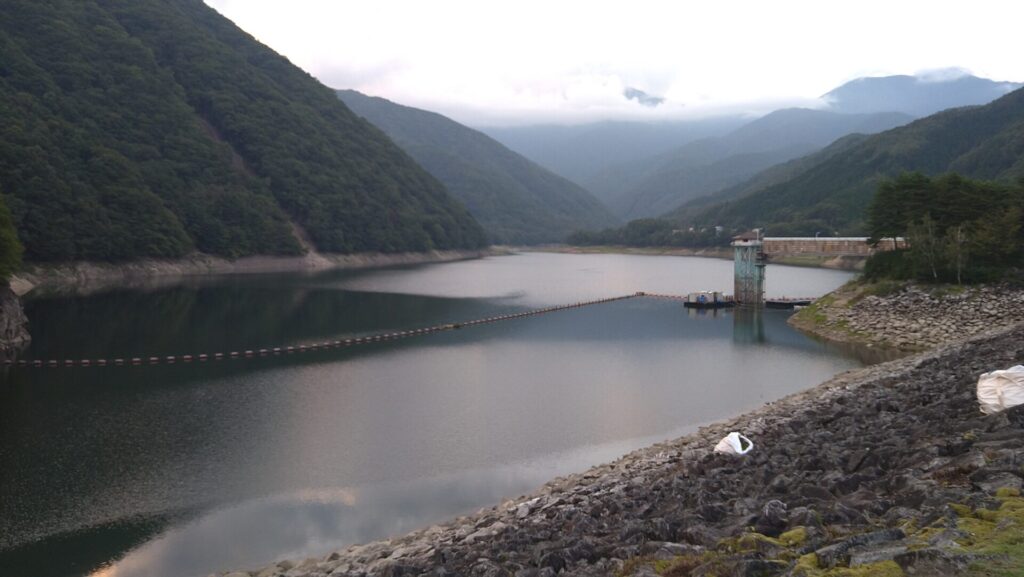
{"x": 182, "y": 470}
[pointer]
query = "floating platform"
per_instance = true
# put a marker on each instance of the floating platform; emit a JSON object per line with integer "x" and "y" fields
{"x": 709, "y": 304}
{"x": 787, "y": 303}
{"x": 708, "y": 300}
{"x": 716, "y": 300}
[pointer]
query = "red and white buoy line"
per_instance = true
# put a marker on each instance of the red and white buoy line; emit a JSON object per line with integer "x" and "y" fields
{"x": 312, "y": 347}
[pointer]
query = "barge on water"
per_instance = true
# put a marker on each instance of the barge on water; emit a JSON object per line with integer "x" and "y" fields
{"x": 708, "y": 300}
{"x": 717, "y": 300}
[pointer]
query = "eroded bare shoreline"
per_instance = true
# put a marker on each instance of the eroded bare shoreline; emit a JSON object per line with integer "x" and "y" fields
{"x": 85, "y": 277}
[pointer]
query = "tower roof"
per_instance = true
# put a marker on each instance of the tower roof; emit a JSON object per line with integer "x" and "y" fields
{"x": 749, "y": 235}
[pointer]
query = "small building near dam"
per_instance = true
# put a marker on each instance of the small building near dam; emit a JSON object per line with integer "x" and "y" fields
{"x": 752, "y": 251}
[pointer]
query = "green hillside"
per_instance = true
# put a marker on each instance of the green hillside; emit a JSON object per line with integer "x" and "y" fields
{"x": 148, "y": 128}
{"x": 706, "y": 166}
{"x": 516, "y": 201}
{"x": 770, "y": 176}
{"x": 983, "y": 142}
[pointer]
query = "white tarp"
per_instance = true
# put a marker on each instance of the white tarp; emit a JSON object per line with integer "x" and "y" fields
{"x": 1000, "y": 390}
{"x": 734, "y": 444}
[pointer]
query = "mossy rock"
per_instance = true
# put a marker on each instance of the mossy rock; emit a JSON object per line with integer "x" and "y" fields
{"x": 794, "y": 537}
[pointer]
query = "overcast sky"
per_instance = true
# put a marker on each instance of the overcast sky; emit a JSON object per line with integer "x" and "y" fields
{"x": 527, "y": 61}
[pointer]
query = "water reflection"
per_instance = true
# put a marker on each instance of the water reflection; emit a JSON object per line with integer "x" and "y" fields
{"x": 160, "y": 460}
{"x": 748, "y": 325}
{"x": 314, "y": 522}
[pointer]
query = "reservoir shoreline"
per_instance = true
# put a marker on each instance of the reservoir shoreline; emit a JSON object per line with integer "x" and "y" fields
{"x": 86, "y": 277}
{"x": 907, "y": 316}
{"x": 845, "y": 263}
{"x": 890, "y": 468}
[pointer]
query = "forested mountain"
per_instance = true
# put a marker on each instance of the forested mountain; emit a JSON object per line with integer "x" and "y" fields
{"x": 984, "y": 142}
{"x": 709, "y": 165}
{"x": 591, "y": 154}
{"x": 958, "y": 230}
{"x": 516, "y": 201}
{"x": 917, "y": 96}
{"x": 767, "y": 177}
{"x": 151, "y": 128}
{"x": 10, "y": 247}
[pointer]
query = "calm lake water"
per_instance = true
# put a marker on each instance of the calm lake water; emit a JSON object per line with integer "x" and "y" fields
{"x": 178, "y": 471}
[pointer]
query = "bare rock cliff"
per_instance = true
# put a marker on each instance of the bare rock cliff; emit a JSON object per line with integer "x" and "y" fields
{"x": 13, "y": 322}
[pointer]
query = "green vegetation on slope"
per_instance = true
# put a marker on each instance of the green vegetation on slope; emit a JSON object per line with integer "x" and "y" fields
{"x": 710, "y": 165}
{"x": 10, "y": 246}
{"x": 984, "y": 142}
{"x": 958, "y": 229}
{"x": 516, "y": 201}
{"x": 768, "y": 177}
{"x": 146, "y": 128}
{"x": 673, "y": 229}
{"x": 643, "y": 232}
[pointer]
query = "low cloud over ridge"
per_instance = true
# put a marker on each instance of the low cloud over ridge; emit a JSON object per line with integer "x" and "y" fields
{"x": 642, "y": 97}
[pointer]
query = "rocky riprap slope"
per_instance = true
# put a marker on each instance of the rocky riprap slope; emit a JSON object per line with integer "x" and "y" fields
{"x": 911, "y": 317}
{"x": 13, "y": 322}
{"x": 887, "y": 470}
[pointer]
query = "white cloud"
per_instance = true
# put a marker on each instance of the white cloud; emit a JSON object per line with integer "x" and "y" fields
{"x": 941, "y": 74}
{"x": 533, "y": 60}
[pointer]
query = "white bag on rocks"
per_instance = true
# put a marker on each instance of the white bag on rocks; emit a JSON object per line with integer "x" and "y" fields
{"x": 734, "y": 444}
{"x": 1000, "y": 390}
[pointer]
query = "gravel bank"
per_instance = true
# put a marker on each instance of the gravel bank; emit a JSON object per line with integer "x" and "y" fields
{"x": 911, "y": 317}
{"x": 887, "y": 470}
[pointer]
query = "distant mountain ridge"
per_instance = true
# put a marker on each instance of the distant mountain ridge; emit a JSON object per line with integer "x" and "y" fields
{"x": 516, "y": 201}
{"x": 776, "y": 174}
{"x": 832, "y": 191}
{"x": 915, "y": 95}
{"x": 584, "y": 153}
{"x": 641, "y": 170}
{"x": 705, "y": 166}
{"x": 148, "y": 128}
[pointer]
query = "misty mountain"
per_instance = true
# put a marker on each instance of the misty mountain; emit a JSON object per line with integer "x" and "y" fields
{"x": 516, "y": 201}
{"x": 582, "y": 153}
{"x": 830, "y": 192}
{"x": 146, "y": 128}
{"x": 917, "y": 96}
{"x": 773, "y": 175}
{"x": 709, "y": 165}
